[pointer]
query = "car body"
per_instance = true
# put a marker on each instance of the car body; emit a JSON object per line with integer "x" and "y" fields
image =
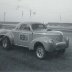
{"x": 34, "y": 36}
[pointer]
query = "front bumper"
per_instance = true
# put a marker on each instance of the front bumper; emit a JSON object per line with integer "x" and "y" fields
{"x": 60, "y": 45}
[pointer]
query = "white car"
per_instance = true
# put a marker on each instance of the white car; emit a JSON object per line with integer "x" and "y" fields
{"x": 34, "y": 36}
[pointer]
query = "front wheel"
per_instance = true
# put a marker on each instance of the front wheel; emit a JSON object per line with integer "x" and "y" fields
{"x": 40, "y": 52}
{"x": 5, "y": 43}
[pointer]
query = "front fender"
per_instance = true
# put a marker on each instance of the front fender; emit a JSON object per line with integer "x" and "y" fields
{"x": 42, "y": 40}
{"x": 66, "y": 39}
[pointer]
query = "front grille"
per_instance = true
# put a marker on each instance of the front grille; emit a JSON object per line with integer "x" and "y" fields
{"x": 58, "y": 38}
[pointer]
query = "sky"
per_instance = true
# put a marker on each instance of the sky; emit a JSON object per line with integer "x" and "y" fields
{"x": 36, "y": 10}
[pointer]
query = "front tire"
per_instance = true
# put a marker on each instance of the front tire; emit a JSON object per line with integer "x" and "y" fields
{"x": 40, "y": 52}
{"x": 6, "y": 43}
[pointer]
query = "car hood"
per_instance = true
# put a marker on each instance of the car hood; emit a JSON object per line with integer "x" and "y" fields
{"x": 55, "y": 35}
{"x": 45, "y": 32}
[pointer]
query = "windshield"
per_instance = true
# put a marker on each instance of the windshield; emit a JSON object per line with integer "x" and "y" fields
{"x": 38, "y": 26}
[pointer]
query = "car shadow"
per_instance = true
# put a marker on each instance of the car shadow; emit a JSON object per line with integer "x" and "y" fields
{"x": 51, "y": 56}
{"x": 26, "y": 51}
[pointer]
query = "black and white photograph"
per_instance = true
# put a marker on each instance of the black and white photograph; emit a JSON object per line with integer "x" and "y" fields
{"x": 36, "y": 35}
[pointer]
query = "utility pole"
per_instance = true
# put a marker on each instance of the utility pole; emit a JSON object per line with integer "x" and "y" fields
{"x": 30, "y": 12}
{"x": 60, "y": 18}
{"x": 22, "y": 13}
{"x": 4, "y": 16}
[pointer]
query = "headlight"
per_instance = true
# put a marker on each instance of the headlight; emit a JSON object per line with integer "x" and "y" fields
{"x": 51, "y": 41}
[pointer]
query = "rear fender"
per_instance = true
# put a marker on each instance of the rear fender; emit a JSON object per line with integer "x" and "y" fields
{"x": 8, "y": 35}
{"x": 11, "y": 37}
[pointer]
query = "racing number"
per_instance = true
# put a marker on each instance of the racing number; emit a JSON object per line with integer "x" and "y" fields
{"x": 24, "y": 37}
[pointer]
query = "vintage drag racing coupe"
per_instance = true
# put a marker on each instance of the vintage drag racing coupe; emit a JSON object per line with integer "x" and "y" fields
{"x": 34, "y": 36}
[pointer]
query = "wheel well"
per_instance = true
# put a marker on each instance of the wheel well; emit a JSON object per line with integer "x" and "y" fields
{"x": 1, "y": 36}
{"x": 37, "y": 44}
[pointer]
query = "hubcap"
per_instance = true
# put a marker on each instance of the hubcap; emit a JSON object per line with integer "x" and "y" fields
{"x": 40, "y": 52}
{"x": 5, "y": 43}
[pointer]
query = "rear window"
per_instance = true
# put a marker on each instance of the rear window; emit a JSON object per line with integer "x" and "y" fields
{"x": 8, "y": 26}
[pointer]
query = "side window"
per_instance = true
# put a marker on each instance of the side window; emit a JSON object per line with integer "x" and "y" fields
{"x": 24, "y": 27}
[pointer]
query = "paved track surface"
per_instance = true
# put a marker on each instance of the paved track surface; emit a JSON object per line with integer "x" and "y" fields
{"x": 21, "y": 59}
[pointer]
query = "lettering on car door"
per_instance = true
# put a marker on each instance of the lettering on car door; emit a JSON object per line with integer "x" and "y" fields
{"x": 24, "y": 37}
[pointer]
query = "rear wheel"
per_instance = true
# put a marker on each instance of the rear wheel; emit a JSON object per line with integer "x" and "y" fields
{"x": 40, "y": 52}
{"x": 6, "y": 43}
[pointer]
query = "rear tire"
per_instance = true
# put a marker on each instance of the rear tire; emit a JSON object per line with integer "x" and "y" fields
{"x": 40, "y": 52}
{"x": 6, "y": 43}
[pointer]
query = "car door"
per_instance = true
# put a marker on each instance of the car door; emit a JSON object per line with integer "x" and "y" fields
{"x": 23, "y": 35}
{"x": 16, "y": 36}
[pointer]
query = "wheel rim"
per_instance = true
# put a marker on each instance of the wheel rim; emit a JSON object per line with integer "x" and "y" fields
{"x": 5, "y": 43}
{"x": 40, "y": 52}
